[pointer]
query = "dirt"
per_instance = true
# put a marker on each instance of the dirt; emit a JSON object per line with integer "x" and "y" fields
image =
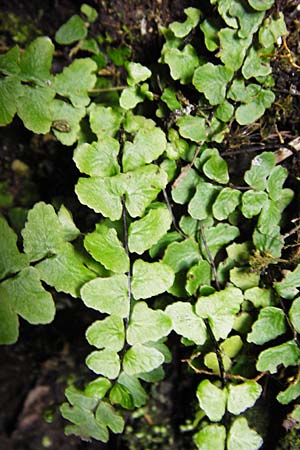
{"x": 34, "y": 372}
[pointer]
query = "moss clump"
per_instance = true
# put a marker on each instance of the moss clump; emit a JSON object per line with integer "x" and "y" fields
{"x": 18, "y": 29}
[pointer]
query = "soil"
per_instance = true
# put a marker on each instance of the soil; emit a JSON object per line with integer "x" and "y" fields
{"x": 34, "y": 372}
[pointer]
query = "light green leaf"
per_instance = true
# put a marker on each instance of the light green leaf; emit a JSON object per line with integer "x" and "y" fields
{"x": 135, "y": 388}
{"x": 136, "y": 73}
{"x": 28, "y": 297}
{"x": 215, "y": 168}
{"x": 34, "y": 108}
{"x": 65, "y": 271}
{"x": 220, "y": 309}
{"x": 289, "y": 394}
{"x": 86, "y": 425}
{"x": 169, "y": 97}
{"x": 224, "y": 111}
{"x": 211, "y": 437}
{"x": 182, "y": 63}
{"x": 185, "y": 186}
{"x": 105, "y": 121}
{"x": 9, "y": 61}
{"x": 147, "y": 146}
{"x": 261, "y": 5}
{"x": 182, "y": 255}
{"x": 120, "y": 395}
{"x": 104, "y": 362}
{"x": 226, "y": 202}
{"x": 130, "y": 97}
{"x": 288, "y": 287}
{"x": 287, "y": 354}
{"x": 272, "y": 29}
{"x": 212, "y": 80}
{"x": 261, "y": 167}
{"x": 244, "y": 278}
{"x": 42, "y": 235}
{"x": 142, "y": 186}
{"x": 23, "y": 295}
{"x": 90, "y": 12}
{"x": 210, "y": 28}
{"x": 80, "y": 398}
{"x": 147, "y": 325}
{"x": 76, "y": 80}
{"x": 198, "y": 276}
{"x": 101, "y": 195}
{"x": 218, "y": 236}
{"x": 192, "y": 127}
{"x": 69, "y": 229}
{"x": 212, "y": 400}
{"x": 108, "y": 295}
{"x": 141, "y": 358}
{"x": 107, "y": 416}
{"x": 246, "y": 114}
{"x": 150, "y": 279}
{"x": 97, "y": 388}
{"x": 147, "y": 231}
{"x": 63, "y": 112}
{"x": 98, "y": 158}
{"x": 255, "y": 66}
{"x": 275, "y": 182}
{"x": 73, "y": 30}
{"x": 294, "y": 314}
{"x": 9, "y": 321}
{"x": 186, "y": 323}
{"x": 233, "y": 49}
{"x": 271, "y": 243}
{"x": 182, "y": 29}
{"x": 232, "y": 346}
{"x": 242, "y": 396}
{"x": 104, "y": 245}
{"x": 241, "y": 436}
{"x": 253, "y": 202}
{"x": 10, "y": 89}
{"x": 270, "y": 324}
{"x": 36, "y": 60}
{"x": 11, "y": 260}
{"x": 211, "y": 362}
{"x": 201, "y": 204}
{"x": 107, "y": 333}
{"x": 269, "y": 217}
{"x": 259, "y": 297}
{"x": 249, "y": 20}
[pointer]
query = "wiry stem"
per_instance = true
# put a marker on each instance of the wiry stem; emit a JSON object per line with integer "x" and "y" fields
{"x": 209, "y": 256}
{"x": 169, "y": 206}
{"x": 125, "y": 236}
{"x": 217, "y": 352}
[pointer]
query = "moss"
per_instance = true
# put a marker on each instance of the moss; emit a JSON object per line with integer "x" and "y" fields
{"x": 291, "y": 440}
{"x": 19, "y": 29}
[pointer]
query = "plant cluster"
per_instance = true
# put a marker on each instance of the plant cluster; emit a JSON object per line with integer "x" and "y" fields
{"x": 179, "y": 247}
